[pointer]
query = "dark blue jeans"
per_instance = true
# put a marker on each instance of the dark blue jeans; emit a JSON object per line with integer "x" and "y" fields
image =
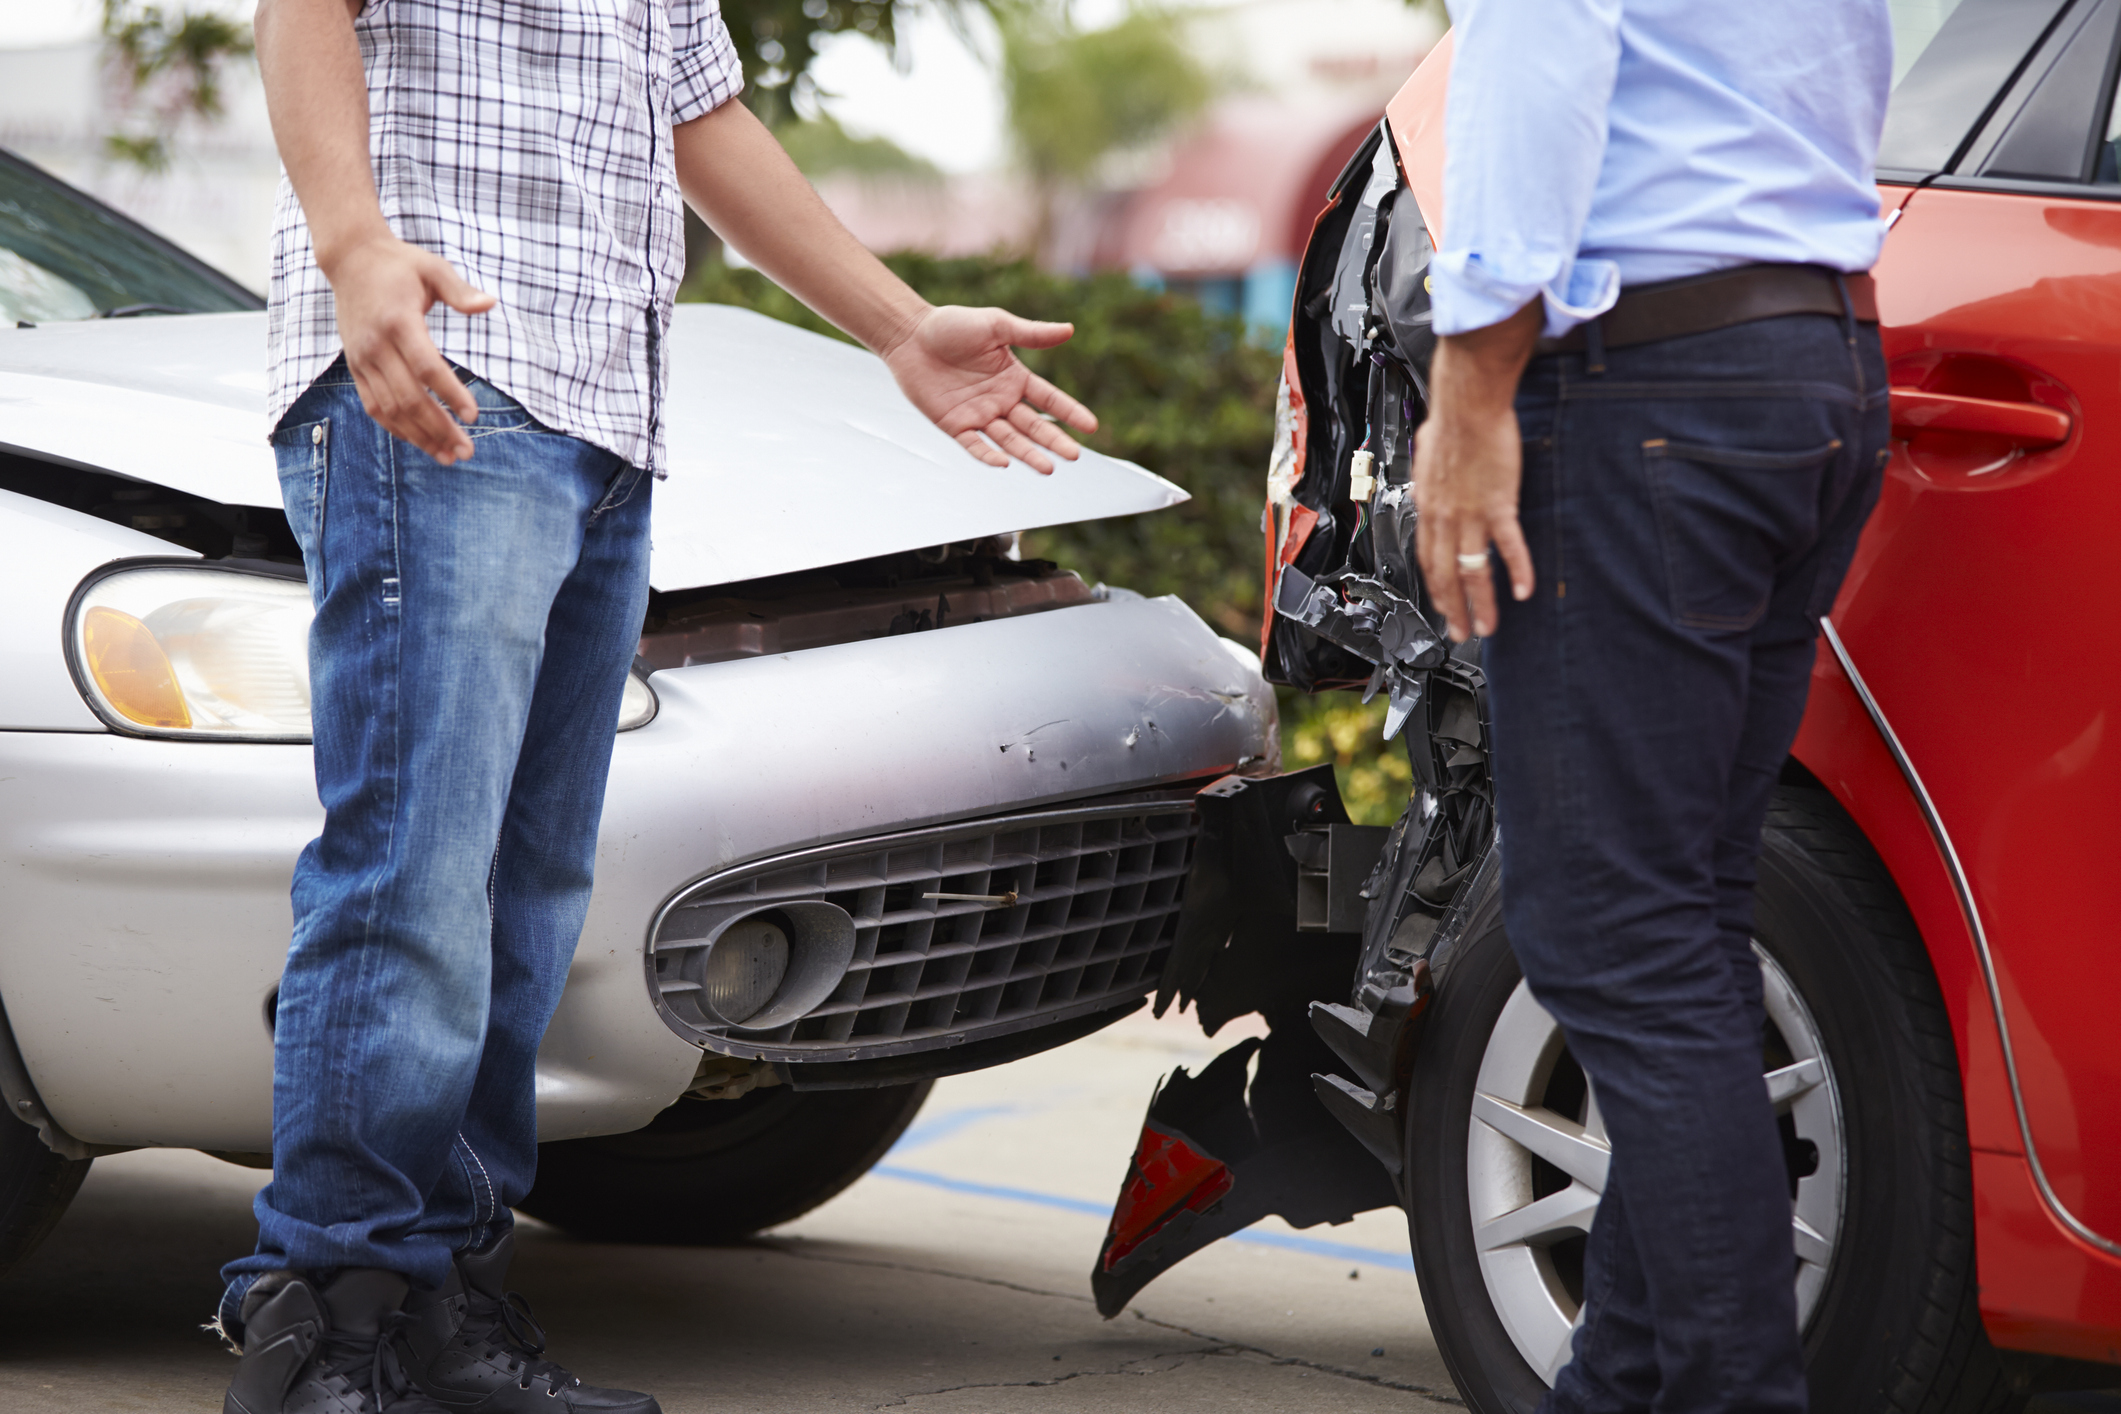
{"x": 475, "y": 624}
{"x": 1691, "y": 510}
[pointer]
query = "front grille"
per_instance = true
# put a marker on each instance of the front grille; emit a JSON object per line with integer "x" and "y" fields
{"x": 1098, "y": 892}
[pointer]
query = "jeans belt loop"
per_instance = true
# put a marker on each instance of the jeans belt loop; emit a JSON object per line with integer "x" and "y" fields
{"x": 1848, "y": 308}
{"x": 1594, "y": 346}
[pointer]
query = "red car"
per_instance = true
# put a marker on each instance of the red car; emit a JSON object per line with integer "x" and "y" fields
{"x": 1939, "y": 891}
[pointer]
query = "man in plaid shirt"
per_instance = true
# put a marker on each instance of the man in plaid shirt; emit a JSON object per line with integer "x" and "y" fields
{"x": 478, "y": 245}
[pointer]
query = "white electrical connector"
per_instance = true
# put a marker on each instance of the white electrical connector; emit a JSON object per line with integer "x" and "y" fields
{"x": 1360, "y": 482}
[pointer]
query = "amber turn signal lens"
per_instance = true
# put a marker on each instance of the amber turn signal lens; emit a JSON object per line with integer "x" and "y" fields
{"x": 131, "y": 670}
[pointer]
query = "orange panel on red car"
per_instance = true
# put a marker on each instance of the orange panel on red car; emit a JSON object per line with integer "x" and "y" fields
{"x": 1981, "y": 612}
{"x": 1416, "y": 118}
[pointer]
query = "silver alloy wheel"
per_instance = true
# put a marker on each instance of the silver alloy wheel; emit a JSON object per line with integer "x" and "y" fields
{"x": 1525, "y": 1234}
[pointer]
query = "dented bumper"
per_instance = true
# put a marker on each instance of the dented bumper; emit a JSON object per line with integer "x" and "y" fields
{"x": 148, "y": 905}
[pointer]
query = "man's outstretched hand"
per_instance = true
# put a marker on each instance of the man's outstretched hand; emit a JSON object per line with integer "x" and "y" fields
{"x": 955, "y": 365}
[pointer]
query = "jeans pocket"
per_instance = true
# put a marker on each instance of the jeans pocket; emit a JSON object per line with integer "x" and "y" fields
{"x": 302, "y": 451}
{"x": 498, "y": 412}
{"x": 619, "y": 491}
{"x": 1727, "y": 518}
{"x": 1843, "y": 530}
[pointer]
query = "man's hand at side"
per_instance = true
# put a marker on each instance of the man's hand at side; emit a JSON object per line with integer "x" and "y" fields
{"x": 382, "y": 286}
{"x": 953, "y": 364}
{"x": 383, "y": 289}
{"x": 1468, "y": 460}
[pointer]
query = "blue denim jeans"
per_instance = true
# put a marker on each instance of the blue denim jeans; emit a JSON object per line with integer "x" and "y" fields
{"x": 475, "y": 625}
{"x": 1691, "y": 510}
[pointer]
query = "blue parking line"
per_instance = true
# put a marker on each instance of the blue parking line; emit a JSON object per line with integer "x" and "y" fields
{"x": 1289, "y": 1242}
{"x": 1338, "y": 1251}
{"x": 993, "y": 1190}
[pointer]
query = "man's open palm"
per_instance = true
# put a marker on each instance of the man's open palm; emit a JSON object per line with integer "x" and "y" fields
{"x": 956, "y": 366}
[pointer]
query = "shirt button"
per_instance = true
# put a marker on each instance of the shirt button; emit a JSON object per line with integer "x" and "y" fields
{"x": 316, "y": 434}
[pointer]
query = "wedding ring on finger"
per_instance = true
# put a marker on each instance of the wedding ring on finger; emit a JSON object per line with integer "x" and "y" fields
{"x": 1469, "y": 563}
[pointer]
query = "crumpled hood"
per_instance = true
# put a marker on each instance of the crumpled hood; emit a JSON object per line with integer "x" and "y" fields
{"x": 787, "y": 450}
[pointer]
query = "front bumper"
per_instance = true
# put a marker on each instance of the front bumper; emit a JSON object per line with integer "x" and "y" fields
{"x": 145, "y": 883}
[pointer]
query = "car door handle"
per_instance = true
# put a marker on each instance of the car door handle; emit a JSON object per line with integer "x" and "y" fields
{"x": 2029, "y": 425}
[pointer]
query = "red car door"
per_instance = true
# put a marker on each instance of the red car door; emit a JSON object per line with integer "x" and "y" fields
{"x": 1980, "y": 611}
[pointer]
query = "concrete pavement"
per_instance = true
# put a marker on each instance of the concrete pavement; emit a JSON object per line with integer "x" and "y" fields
{"x": 953, "y": 1279}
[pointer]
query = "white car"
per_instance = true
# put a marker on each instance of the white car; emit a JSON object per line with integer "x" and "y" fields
{"x": 852, "y": 697}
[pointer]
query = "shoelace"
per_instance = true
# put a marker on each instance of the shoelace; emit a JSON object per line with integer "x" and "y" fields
{"x": 512, "y": 1331}
{"x": 341, "y": 1355}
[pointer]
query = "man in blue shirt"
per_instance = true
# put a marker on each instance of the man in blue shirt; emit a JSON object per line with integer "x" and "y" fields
{"x": 1659, "y": 396}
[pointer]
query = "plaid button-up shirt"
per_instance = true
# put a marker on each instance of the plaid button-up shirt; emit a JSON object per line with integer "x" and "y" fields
{"x": 529, "y": 143}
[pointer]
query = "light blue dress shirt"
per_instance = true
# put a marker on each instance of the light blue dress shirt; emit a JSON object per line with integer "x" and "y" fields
{"x": 1593, "y": 144}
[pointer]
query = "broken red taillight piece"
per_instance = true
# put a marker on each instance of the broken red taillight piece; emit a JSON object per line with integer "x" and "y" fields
{"x": 1167, "y": 1176}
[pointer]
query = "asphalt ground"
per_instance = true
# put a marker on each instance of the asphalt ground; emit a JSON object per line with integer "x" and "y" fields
{"x": 954, "y": 1279}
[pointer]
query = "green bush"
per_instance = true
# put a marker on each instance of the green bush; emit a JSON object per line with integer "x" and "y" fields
{"x": 1186, "y": 394}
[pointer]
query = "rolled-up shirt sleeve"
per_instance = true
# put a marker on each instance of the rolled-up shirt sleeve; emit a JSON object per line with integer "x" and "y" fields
{"x": 1524, "y": 136}
{"x": 705, "y": 72}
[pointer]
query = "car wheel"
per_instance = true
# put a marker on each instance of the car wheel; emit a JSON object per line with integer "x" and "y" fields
{"x": 708, "y": 1171}
{"x": 35, "y": 1187}
{"x": 1859, "y": 1056}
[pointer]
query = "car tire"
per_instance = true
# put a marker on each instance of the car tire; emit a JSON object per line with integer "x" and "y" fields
{"x": 1893, "y": 1322}
{"x": 35, "y": 1187}
{"x": 713, "y": 1171}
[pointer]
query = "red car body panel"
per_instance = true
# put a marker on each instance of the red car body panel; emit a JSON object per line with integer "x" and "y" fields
{"x": 1978, "y": 621}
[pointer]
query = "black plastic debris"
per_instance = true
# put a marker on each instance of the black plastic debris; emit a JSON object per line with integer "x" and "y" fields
{"x": 1376, "y": 623}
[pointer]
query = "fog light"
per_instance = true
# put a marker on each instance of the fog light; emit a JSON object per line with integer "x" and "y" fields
{"x": 744, "y": 968}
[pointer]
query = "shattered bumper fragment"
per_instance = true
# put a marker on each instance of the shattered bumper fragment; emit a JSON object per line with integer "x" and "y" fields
{"x": 1219, "y": 1151}
{"x": 1373, "y": 621}
{"x": 1167, "y": 1179}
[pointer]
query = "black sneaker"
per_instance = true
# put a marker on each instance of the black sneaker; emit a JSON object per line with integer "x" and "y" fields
{"x": 324, "y": 1348}
{"x": 473, "y": 1346}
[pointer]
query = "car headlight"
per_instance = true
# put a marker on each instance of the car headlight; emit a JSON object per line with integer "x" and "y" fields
{"x": 187, "y": 651}
{"x": 197, "y": 651}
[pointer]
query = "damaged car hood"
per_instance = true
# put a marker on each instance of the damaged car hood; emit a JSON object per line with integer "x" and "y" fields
{"x": 788, "y": 450}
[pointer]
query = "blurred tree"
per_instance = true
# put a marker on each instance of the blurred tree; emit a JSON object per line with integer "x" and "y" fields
{"x": 167, "y": 65}
{"x": 1339, "y": 727}
{"x": 1075, "y": 97}
{"x": 778, "y": 41}
{"x": 820, "y": 146}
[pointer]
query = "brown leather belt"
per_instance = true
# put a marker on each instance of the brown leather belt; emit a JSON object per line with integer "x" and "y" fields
{"x": 1698, "y": 304}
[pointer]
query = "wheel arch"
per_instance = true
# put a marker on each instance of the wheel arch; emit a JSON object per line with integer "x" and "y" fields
{"x": 24, "y": 1103}
{"x": 2044, "y": 1287}
{"x": 1840, "y": 750}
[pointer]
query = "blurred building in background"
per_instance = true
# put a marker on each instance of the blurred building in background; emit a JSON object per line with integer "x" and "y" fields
{"x": 1228, "y": 216}
{"x": 1222, "y": 210}
{"x": 1219, "y": 210}
{"x": 1228, "y": 220}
